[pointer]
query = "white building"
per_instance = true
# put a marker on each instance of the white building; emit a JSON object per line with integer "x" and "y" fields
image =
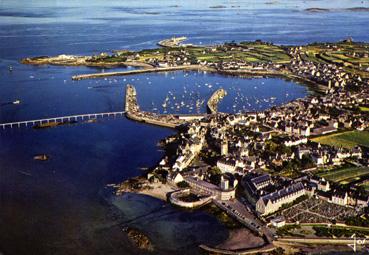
{"x": 272, "y": 202}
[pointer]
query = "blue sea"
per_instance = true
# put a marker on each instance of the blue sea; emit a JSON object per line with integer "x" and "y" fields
{"x": 62, "y": 206}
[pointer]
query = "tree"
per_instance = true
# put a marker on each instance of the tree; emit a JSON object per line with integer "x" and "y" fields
{"x": 215, "y": 174}
{"x": 307, "y": 161}
{"x": 278, "y": 251}
{"x": 183, "y": 185}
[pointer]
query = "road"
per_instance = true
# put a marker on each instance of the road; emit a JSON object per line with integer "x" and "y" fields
{"x": 244, "y": 215}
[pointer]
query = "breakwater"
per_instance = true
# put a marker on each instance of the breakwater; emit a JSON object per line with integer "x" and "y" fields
{"x": 172, "y": 42}
{"x": 133, "y": 112}
{"x": 139, "y": 71}
{"x": 212, "y": 104}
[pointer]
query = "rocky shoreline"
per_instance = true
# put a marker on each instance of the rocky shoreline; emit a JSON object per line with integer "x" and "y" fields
{"x": 139, "y": 239}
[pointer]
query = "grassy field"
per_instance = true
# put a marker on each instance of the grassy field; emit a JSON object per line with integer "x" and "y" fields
{"x": 344, "y": 175}
{"x": 250, "y": 52}
{"x": 365, "y": 185}
{"x": 342, "y": 55}
{"x": 347, "y": 139}
{"x": 364, "y": 109}
{"x": 352, "y": 57}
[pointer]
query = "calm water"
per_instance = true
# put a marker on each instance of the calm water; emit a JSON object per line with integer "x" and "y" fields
{"x": 56, "y": 207}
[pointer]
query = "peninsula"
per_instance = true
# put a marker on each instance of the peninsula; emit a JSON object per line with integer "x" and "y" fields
{"x": 316, "y": 64}
{"x": 296, "y": 176}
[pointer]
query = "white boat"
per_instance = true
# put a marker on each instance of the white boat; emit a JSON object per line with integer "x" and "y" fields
{"x": 17, "y": 102}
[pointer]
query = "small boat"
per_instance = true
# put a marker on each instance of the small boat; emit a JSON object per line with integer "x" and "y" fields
{"x": 25, "y": 173}
{"x": 41, "y": 157}
{"x": 17, "y": 101}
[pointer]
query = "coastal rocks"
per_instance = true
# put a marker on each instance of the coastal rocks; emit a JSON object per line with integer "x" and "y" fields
{"x": 139, "y": 239}
{"x": 131, "y": 185}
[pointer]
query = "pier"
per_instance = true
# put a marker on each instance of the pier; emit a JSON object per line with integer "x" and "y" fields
{"x": 62, "y": 119}
{"x": 133, "y": 112}
{"x": 212, "y": 104}
{"x": 132, "y": 72}
{"x": 172, "y": 42}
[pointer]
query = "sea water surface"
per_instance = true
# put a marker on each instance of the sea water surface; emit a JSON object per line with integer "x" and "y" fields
{"x": 57, "y": 206}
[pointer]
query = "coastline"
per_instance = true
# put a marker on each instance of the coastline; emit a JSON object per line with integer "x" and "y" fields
{"x": 146, "y": 68}
{"x": 156, "y": 190}
{"x": 141, "y": 185}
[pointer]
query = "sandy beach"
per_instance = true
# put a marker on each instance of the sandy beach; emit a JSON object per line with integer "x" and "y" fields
{"x": 236, "y": 240}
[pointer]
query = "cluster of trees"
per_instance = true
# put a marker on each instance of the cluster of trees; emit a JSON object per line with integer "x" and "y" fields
{"x": 362, "y": 221}
{"x": 292, "y": 167}
{"x": 209, "y": 156}
{"x": 286, "y": 230}
{"x": 215, "y": 175}
{"x": 277, "y": 146}
{"x": 183, "y": 185}
{"x": 338, "y": 232}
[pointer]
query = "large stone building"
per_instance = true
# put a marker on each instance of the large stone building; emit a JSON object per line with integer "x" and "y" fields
{"x": 272, "y": 202}
{"x": 261, "y": 182}
{"x": 226, "y": 165}
{"x": 201, "y": 186}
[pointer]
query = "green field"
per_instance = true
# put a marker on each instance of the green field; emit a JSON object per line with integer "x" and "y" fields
{"x": 347, "y": 139}
{"x": 246, "y": 51}
{"x": 365, "y": 186}
{"x": 364, "y": 109}
{"x": 341, "y": 54}
{"x": 344, "y": 175}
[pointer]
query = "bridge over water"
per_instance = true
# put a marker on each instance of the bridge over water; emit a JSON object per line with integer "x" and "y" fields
{"x": 162, "y": 119}
{"x": 62, "y": 119}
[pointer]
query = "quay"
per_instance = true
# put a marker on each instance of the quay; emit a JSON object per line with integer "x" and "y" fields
{"x": 61, "y": 119}
{"x": 212, "y": 104}
{"x": 133, "y": 112}
{"x": 132, "y": 72}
